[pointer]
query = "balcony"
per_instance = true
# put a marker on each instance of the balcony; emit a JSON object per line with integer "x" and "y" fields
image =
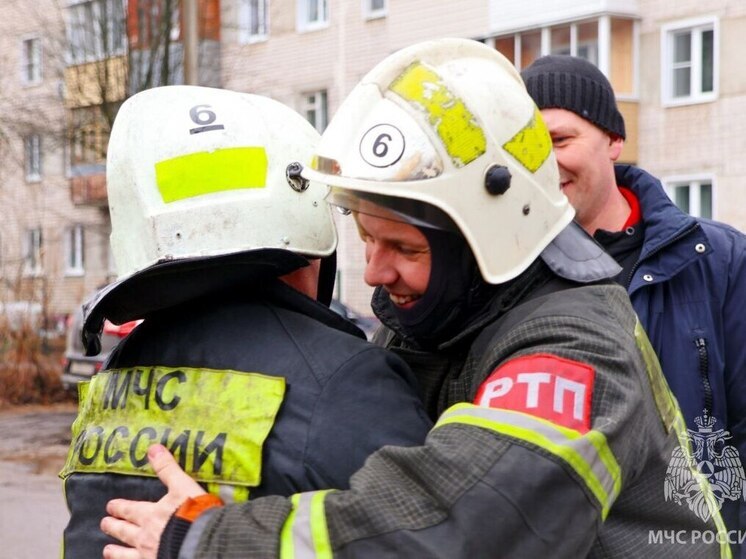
{"x": 88, "y": 186}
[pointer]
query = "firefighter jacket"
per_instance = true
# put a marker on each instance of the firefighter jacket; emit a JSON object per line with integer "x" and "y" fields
{"x": 263, "y": 394}
{"x": 557, "y": 437}
{"x": 689, "y": 289}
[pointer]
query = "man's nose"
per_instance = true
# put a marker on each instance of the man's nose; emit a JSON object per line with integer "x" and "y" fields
{"x": 379, "y": 267}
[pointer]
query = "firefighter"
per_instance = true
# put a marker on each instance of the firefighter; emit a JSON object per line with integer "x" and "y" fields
{"x": 556, "y": 429}
{"x": 240, "y": 368}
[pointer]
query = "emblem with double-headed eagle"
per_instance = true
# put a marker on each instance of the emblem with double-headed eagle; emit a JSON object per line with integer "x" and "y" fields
{"x": 718, "y": 462}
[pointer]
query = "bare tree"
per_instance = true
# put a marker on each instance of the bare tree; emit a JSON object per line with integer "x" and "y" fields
{"x": 78, "y": 62}
{"x": 113, "y": 51}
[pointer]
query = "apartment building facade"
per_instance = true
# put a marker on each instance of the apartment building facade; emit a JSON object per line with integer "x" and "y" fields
{"x": 52, "y": 251}
{"x": 673, "y": 65}
{"x": 67, "y": 67}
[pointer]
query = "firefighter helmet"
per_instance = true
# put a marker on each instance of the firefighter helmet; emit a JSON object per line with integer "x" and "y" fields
{"x": 196, "y": 172}
{"x": 443, "y": 134}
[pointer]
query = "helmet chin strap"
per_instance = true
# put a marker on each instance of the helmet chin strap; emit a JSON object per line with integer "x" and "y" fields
{"x": 327, "y": 277}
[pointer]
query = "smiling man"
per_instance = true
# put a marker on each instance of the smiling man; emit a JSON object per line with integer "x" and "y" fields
{"x": 554, "y": 424}
{"x": 587, "y": 133}
{"x": 686, "y": 276}
{"x": 407, "y": 246}
{"x": 240, "y": 367}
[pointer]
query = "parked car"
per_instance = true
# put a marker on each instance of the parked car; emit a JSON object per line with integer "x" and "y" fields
{"x": 368, "y": 324}
{"x": 77, "y": 365}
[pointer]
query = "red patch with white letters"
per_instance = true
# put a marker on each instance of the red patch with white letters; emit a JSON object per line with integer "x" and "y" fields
{"x": 542, "y": 385}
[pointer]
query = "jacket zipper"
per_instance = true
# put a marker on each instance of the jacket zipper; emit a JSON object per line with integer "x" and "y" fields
{"x": 704, "y": 366}
{"x": 657, "y": 250}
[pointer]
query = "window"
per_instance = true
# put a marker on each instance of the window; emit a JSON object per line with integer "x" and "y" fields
{"x": 576, "y": 39}
{"x": 88, "y": 134}
{"x": 96, "y": 30}
{"x": 74, "y": 251}
{"x": 692, "y": 196}
{"x": 530, "y": 47}
{"x": 611, "y": 43}
{"x": 32, "y": 157}
{"x": 147, "y": 27}
{"x": 252, "y": 20}
{"x": 374, "y": 8}
{"x": 32, "y": 251}
{"x": 689, "y": 62}
{"x": 315, "y": 109}
{"x": 312, "y": 14}
{"x": 31, "y": 61}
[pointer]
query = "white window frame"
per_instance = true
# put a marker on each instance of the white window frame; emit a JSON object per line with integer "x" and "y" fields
{"x": 32, "y": 157}
{"x": 302, "y": 9}
{"x": 695, "y": 27}
{"x": 694, "y": 182}
{"x": 245, "y": 21}
{"x": 74, "y": 247}
{"x": 602, "y": 50}
{"x": 374, "y": 13}
{"x": 320, "y": 105}
{"x": 32, "y": 252}
{"x": 31, "y": 65}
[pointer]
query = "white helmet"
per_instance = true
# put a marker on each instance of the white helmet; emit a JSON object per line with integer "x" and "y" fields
{"x": 197, "y": 172}
{"x": 443, "y": 132}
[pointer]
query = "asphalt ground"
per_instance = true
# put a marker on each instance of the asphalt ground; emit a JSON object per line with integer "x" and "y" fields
{"x": 33, "y": 444}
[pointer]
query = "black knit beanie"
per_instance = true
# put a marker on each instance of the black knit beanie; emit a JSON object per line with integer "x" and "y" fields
{"x": 574, "y": 84}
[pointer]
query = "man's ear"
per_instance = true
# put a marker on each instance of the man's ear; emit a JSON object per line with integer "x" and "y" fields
{"x": 616, "y": 143}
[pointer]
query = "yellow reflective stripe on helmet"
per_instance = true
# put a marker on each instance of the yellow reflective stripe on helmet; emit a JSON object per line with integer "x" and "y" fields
{"x": 205, "y": 172}
{"x": 589, "y": 455}
{"x": 532, "y": 144}
{"x": 304, "y": 534}
{"x": 451, "y": 119}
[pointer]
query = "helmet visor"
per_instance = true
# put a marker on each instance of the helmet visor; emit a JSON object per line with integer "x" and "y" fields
{"x": 405, "y": 210}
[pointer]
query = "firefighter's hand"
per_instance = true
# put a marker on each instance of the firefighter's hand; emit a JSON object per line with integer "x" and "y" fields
{"x": 139, "y": 524}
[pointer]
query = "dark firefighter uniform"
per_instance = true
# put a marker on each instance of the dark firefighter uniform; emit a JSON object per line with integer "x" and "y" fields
{"x": 256, "y": 391}
{"x": 555, "y": 434}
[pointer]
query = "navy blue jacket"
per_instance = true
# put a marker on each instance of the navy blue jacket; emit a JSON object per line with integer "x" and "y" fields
{"x": 345, "y": 397}
{"x": 689, "y": 290}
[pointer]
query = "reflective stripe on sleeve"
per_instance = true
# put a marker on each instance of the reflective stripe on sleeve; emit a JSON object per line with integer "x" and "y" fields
{"x": 670, "y": 414}
{"x": 588, "y": 455}
{"x": 305, "y": 535}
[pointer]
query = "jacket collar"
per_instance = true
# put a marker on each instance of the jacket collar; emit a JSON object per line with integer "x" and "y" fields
{"x": 663, "y": 221}
{"x": 666, "y": 226}
{"x": 498, "y": 300}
